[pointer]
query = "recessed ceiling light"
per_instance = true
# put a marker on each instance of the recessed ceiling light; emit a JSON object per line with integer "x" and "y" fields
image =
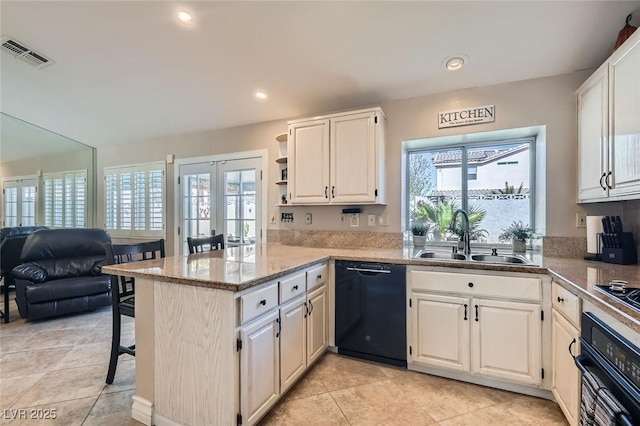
{"x": 185, "y": 17}
{"x": 455, "y": 63}
{"x": 261, "y": 95}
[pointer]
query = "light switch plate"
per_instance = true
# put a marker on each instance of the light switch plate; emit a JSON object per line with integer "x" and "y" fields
{"x": 307, "y": 218}
{"x": 354, "y": 220}
{"x": 371, "y": 220}
{"x": 383, "y": 220}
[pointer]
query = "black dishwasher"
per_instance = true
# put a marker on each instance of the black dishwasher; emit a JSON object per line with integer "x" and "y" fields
{"x": 371, "y": 311}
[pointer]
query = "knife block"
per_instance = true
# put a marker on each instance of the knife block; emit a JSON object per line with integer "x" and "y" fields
{"x": 625, "y": 255}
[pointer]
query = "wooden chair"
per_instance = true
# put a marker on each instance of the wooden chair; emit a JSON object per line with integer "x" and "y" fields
{"x": 123, "y": 294}
{"x": 196, "y": 245}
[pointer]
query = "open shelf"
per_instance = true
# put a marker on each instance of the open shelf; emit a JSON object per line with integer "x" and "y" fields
{"x": 281, "y": 160}
{"x": 282, "y": 137}
{"x": 281, "y": 182}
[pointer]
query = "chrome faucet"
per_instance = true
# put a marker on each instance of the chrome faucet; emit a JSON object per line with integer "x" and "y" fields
{"x": 466, "y": 237}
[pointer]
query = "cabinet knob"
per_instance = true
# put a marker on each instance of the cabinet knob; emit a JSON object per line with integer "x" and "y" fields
{"x": 319, "y": 276}
{"x": 560, "y": 299}
{"x": 470, "y": 284}
{"x": 263, "y": 302}
{"x": 295, "y": 287}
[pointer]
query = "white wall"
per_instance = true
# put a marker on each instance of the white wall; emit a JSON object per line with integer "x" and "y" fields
{"x": 549, "y": 102}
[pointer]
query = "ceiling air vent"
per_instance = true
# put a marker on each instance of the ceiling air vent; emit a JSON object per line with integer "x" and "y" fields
{"x": 20, "y": 51}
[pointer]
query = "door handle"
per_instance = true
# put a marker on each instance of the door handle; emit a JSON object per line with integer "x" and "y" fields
{"x": 607, "y": 180}
{"x": 279, "y": 327}
{"x": 601, "y": 184}
{"x": 465, "y": 312}
{"x": 477, "y": 313}
{"x": 311, "y": 307}
{"x": 307, "y": 309}
{"x": 326, "y": 188}
{"x": 333, "y": 192}
{"x": 571, "y": 347}
{"x": 377, "y": 271}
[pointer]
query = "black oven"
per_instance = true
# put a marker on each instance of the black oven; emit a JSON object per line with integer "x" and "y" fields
{"x": 615, "y": 361}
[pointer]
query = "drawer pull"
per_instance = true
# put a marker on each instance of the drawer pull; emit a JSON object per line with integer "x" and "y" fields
{"x": 560, "y": 299}
{"x": 295, "y": 287}
{"x": 477, "y": 313}
{"x": 470, "y": 284}
{"x": 263, "y": 302}
{"x": 465, "y": 311}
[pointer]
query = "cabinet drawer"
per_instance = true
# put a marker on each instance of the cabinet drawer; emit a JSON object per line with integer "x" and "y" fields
{"x": 292, "y": 286}
{"x": 258, "y": 302}
{"x": 477, "y": 285}
{"x": 567, "y": 303}
{"x": 317, "y": 275}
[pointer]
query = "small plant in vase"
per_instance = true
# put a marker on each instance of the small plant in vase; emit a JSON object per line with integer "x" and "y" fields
{"x": 419, "y": 232}
{"x": 518, "y": 233}
{"x": 283, "y": 199}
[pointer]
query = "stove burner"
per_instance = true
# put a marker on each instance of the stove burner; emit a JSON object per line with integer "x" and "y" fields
{"x": 629, "y": 297}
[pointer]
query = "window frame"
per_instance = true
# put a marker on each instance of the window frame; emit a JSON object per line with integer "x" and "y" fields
{"x": 464, "y": 202}
{"x": 131, "y": 170}
{"x": 84, "y": 173}
{"x": 20, "y": 182}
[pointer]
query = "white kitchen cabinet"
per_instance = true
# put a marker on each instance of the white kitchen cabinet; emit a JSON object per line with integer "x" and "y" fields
{"x": 293, "y": 342}
{"x": 337, "y": 159}
{"x": 592, "y": 137}
{"x": 440, "y": 332}
{"x": 484, "y": 325}
{"x": 565, "y": 374}
{"x": 317, "y": 333}
{"x": 506, "y": 340}
{"x": 609, "y": 128}
{"x": 624, "y": 119}
{"x": 259, "y": 366}
{"x": 308, "y": 162}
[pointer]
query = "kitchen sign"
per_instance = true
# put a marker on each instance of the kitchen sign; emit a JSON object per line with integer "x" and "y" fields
{"x": 467, "y": 116}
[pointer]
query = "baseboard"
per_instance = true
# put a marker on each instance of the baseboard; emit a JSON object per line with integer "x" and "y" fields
{"x": 142, "y": 410}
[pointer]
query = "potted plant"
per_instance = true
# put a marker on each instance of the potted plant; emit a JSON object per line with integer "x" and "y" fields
{"x": 518, "y": 233}
{"x": 419, "y": 231}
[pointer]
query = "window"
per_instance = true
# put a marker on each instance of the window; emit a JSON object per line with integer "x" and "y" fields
{"x": 134, "y": 200}
{"x": 65, "y": 199}
{"x": 472, "y": 178}
{"x": 20, "y": 201}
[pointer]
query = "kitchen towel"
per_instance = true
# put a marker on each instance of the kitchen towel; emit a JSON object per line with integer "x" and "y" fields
{"x": 594, "y": 227}
{"x": 598, "y": 407}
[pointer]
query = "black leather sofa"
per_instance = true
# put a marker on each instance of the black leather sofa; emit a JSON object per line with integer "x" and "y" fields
{"x": 11, "y": 242}
{"x": 61, "y": 273}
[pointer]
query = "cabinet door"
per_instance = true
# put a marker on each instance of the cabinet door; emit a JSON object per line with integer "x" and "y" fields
{"x": 624, "y": 147}
{"x": 506, "y": 340}
{"x": 440, "y": 331}
{"x": 293, "y": 342}
{"x": 565, "y": 375}
{"x": 353, "y": 159}
{"x": 592, "y": 137}
{"x": 308, "y": 165}
{"x": 317, "y": 324}
{"x": 259, "y": 367}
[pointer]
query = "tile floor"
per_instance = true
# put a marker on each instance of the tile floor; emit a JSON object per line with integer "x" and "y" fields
{"x": 61, "y": 363}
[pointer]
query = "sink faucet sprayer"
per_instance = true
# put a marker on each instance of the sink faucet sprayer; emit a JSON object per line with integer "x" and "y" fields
{"x": 466, "y": 237}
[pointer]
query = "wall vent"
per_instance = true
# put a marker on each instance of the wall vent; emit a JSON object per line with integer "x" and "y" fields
{"x": 24, "y": 53}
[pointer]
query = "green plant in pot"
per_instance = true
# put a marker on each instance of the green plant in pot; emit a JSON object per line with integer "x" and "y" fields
{"x": 518, "y": 233}
{"x": 419, "y": 231}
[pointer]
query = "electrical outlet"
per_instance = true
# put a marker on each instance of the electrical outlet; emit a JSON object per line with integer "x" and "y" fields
{"x": 371, "y": 220}
{"x": 273, "y": 219}
{"x": 581, "y": 220}
{"x": 354, "y": 220}
{"x": 307, "y": 218}
{"x": 383, "y": 220}
{"x": 343, "y": 219}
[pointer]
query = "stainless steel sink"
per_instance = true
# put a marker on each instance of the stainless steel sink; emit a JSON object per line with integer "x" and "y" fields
{"x": 500, "y": 259}
{"x": 439, "y": 256}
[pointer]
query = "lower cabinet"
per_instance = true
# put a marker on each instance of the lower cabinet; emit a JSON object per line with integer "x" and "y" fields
{"x": 565, "y": 337}
{"x": 259, "y": 366}
{"x": 278, "y": 347}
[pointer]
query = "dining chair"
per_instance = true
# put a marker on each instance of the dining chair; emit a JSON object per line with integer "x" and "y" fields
{"x": 197, "y": 245}
{"x": 123, "y": 294}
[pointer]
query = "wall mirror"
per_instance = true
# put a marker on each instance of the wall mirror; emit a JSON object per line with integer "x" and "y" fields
{"x": 47, "y": 179}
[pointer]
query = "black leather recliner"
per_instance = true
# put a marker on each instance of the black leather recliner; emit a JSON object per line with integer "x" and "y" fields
{"x": 11, "y": 242}
{"x": 61, "y": 273}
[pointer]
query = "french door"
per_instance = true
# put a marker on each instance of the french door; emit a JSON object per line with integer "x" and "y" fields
{"x": 221, "y": 197}
{"x": 20, "y": 202}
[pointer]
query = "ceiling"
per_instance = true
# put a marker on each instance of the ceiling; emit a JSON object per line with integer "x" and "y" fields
{"x": 127, "y": 71}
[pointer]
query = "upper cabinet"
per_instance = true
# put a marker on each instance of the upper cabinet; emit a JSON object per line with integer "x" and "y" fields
{"x": 337, "y": 159}
{"x": 609, "y": 128}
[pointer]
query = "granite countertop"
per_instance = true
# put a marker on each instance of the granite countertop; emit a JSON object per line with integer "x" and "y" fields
{"x": 239, "y": 268}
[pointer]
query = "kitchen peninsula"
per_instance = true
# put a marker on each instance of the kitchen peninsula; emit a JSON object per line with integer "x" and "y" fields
{"x": 193, "y": 311}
